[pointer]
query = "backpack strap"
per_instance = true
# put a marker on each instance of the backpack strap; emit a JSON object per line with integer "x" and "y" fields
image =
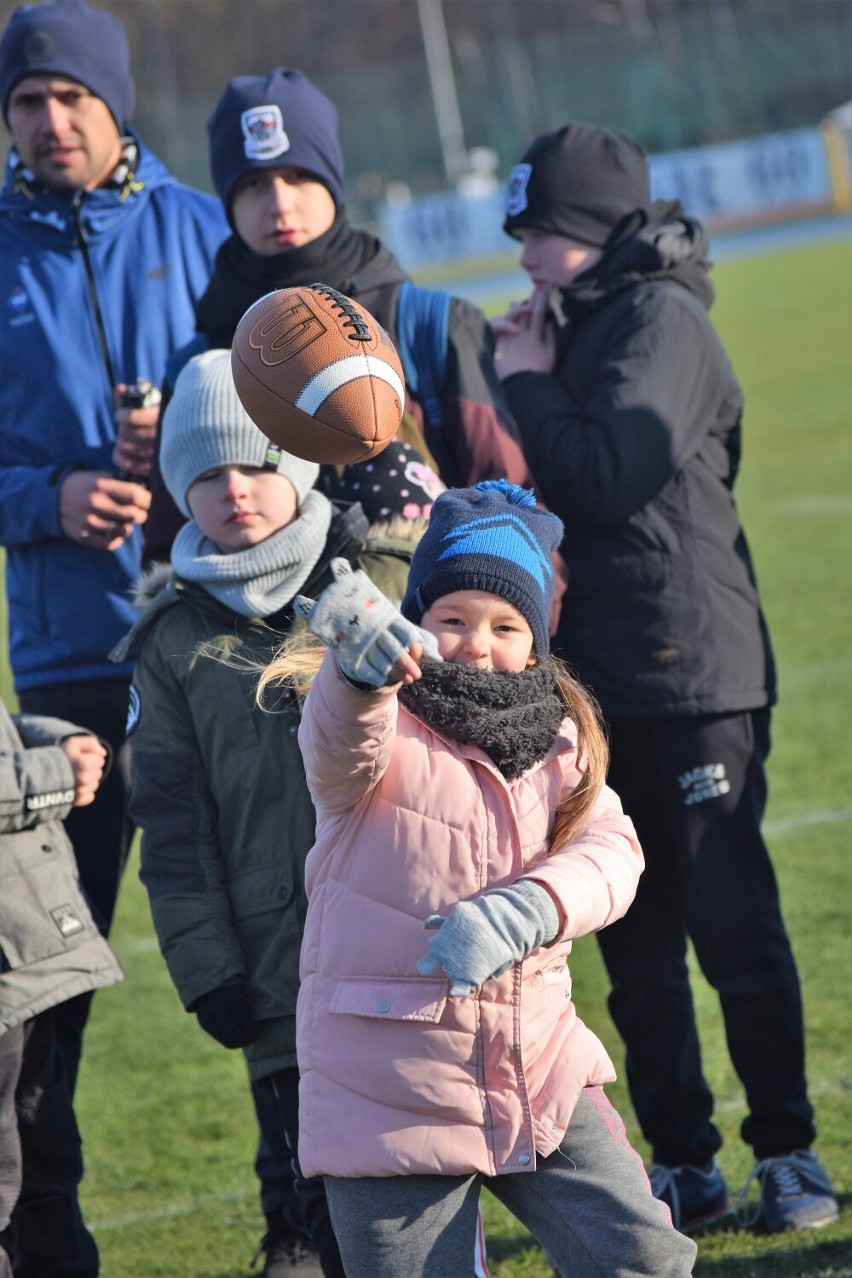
{"x": 422, "y": 324}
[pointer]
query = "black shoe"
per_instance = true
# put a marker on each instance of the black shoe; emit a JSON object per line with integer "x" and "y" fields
{"x": 287, "y": 1254}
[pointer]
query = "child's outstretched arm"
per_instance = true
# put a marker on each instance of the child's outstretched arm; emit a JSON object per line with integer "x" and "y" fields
{"x": 373, "y": 642}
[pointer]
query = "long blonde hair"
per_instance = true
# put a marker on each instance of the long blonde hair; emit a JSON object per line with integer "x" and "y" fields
{"x": 298, "y": 659}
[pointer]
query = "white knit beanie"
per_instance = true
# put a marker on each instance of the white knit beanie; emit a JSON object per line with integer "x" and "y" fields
{"x": 205, "y": 425}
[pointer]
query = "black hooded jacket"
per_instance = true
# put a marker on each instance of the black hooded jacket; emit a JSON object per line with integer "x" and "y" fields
{"x": 635, "y": 443}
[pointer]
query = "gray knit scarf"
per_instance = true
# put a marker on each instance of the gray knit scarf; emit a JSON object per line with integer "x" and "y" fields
{"x": 514, "y": 717}
{"x": 258, "y": 581}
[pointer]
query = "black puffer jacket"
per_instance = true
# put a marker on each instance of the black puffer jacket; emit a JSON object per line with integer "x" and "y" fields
{"x": 635, "y": 442}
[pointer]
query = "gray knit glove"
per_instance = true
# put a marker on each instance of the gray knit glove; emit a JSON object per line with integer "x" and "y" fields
{"x": 367, "y": 632}
{"x": 482, "y": 938}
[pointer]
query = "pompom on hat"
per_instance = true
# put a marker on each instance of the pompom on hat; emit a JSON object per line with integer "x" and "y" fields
{"x": 205, "y": 426}
{"x": 278, "y": 120}
{"x": 583, "y": 181}
{"x": 67, "y": 38}
{"x": 490, "y": 537}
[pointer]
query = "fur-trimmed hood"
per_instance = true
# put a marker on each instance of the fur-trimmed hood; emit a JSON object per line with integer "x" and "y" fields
{"x": 406, "y": 533}
{"x": 148, "y": 585}
{"x": 159, "y": 587}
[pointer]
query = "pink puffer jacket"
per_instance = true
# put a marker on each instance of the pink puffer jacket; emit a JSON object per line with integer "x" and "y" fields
{"x": 397, "y": 1078}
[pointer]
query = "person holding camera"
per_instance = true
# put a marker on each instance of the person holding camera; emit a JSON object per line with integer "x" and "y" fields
{"x": 103, "y": 255}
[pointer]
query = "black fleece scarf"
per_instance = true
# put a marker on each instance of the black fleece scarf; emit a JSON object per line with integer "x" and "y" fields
{"x": 514, "y": 718}
{"x": 241, "y": 276}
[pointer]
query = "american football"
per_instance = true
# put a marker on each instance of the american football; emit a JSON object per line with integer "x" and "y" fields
{"x": 318, "y": 375}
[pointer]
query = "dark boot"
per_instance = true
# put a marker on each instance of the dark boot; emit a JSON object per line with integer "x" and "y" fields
{"x": 286, "y": 1253}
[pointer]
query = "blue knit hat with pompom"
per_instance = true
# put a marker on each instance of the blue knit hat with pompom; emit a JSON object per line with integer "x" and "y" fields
{"x": 489, "y": 537}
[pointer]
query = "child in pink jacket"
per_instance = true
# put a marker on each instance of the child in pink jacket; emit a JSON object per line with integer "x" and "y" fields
{"x": 458, "y": 776}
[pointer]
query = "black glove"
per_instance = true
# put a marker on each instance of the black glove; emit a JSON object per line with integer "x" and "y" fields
{"x": 224, "y": 1013}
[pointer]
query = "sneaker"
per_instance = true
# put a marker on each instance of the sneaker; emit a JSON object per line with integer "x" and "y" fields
{"x": 695, "y": 1196}
{"x": 795, "y": 1193}
{"x": 287, "y": 1255}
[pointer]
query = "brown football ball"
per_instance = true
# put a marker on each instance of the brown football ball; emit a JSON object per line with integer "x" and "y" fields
{"x": 318, "y": 375}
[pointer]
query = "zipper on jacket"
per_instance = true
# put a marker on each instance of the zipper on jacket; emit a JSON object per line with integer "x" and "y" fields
{"x": 82, "y": 236}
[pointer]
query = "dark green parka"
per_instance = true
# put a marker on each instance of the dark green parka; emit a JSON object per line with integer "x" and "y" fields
{"x": 220, "y": 792}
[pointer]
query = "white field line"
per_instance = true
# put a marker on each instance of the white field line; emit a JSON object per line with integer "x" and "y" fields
{"x": 826, "y": 816}
{"x": 167, "y": 1211}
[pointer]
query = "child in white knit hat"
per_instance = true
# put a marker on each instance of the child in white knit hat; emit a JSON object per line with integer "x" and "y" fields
{"x": 218, "y": 784}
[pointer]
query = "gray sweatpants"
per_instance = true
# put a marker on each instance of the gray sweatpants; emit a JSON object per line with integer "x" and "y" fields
{"x": 589, "y": 1205}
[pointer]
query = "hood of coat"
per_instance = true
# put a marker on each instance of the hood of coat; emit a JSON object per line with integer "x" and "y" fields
{"x": 669, "y": 246}
{"x": 147, "y": 586}
{"x": 99, "y": 210}
{"x": 349, "y": 260}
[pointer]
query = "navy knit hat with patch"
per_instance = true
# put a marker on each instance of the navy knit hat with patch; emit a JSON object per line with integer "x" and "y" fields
{"x": 274, "y": 121}
{"x": 67, "y": 38}
{"x": 489, "y": 537}
{"x": 583, "y": 181}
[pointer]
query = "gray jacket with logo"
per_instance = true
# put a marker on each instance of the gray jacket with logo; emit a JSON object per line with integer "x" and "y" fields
{"x": 50, "y": 947}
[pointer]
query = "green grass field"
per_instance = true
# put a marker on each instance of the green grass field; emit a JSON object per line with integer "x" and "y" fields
{"x": 165, "y": 1112}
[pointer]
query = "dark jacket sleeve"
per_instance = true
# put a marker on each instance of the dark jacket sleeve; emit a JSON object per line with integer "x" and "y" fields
{"x": 181, "y": 862}
{"x": 648, "y": 409}
{"x": 479, "y": 437}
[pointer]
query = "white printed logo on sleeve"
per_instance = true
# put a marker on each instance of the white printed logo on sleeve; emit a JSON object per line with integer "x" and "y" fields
{"x": 134, "y": 709}
{"x": 263, "y": 129}
{"x": 516, "y": 197}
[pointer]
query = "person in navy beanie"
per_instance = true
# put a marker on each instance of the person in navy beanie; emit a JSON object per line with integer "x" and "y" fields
{"x": 103, "y": 257}
{"x": 277, "y": 164}
{"x": 265, "y": 122}
{"x": 68, "y": 38}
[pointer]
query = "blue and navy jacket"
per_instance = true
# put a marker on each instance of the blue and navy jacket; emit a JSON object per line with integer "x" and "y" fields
{"x": 95, "y": 289}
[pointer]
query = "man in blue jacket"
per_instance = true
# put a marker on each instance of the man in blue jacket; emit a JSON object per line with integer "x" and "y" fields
{"x": 103, "y": 255}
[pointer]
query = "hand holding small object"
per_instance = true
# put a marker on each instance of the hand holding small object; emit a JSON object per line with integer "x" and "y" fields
{"x": 99, "y": 511}
{"x": 373, "y": 642}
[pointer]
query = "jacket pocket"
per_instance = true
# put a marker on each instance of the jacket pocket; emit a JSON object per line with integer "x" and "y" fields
{"x": 41, "y": 915}
{"x": 261, "y": 890}
{"x": 390, "y": 999}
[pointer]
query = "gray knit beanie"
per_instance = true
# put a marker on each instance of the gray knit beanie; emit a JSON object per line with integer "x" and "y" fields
{"x": 205, "y": 426}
